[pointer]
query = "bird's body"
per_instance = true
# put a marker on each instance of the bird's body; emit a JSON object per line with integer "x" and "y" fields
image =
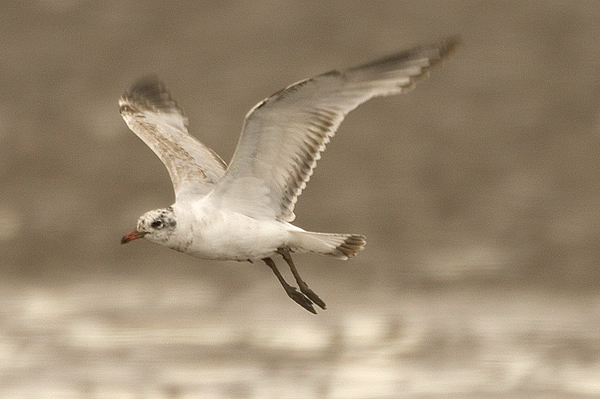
{"x": 209, "y": 232}
{"x": 244, "y": 211}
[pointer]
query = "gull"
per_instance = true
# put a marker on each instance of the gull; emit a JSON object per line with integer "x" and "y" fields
{"x": 244, "y": 211}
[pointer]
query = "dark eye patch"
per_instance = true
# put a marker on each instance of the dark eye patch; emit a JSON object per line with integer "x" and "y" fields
{"x": 157, "y": 224}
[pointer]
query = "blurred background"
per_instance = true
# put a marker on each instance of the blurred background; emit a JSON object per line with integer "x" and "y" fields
{"x": 478, "y": 193}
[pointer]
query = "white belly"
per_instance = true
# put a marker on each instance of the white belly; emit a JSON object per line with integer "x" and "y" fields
{"x": 226, "y": 235}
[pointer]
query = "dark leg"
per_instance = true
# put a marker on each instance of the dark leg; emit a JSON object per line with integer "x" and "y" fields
{"x": 285, "y": 252}
{"x": 299, "y": 298}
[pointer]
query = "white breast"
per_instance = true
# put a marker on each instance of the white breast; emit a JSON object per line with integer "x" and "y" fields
{"x": 210, "y": 232}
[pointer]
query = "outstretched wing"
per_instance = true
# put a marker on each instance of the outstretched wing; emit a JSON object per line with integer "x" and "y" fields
{"x": 284, "y": 135}
{"x": 153, "y": 115}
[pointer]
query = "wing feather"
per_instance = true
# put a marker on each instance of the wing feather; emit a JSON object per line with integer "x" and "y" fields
{"x": 153, "y": 115}
{"x": 284, "y": 135}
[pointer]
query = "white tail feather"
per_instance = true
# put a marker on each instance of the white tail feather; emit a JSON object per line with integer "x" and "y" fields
{"x": 340, "y": 246}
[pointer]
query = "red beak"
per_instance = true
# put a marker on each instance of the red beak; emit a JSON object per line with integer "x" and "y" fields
{"x": 132, "y": 235}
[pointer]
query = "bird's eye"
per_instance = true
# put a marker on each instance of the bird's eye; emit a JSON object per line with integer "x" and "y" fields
{"x": 157, "y": 224}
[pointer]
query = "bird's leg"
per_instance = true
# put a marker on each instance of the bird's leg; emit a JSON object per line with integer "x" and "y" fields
{"x": 285, "y": 252}
{"x": 298, "y": 297}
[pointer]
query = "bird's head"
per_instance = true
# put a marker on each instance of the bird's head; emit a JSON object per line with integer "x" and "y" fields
{"x": 157, "y": 226}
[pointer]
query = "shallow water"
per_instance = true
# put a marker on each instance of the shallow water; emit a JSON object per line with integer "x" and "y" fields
{"x": 179, "y": 339}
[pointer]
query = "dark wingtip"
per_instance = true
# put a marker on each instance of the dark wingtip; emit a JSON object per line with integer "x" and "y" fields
{"x": 434, "y": 51}
{"x": 450, "y": 44}
{"x": 149, "y": 91}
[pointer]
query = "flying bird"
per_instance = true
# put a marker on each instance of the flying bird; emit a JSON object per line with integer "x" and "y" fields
{"x": 244, "y": 211}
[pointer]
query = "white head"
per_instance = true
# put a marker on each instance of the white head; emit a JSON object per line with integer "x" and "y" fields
{"x": 157, "y": 226}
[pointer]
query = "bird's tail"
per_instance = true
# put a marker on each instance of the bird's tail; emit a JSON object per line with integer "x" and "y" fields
{"x": 340, "y": 246}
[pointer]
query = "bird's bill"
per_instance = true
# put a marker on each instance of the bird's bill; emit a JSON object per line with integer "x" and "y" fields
{"x": 132, "y": 235}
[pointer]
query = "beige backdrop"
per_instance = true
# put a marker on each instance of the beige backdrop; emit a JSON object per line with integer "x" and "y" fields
{"x": 478, "y": 193}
